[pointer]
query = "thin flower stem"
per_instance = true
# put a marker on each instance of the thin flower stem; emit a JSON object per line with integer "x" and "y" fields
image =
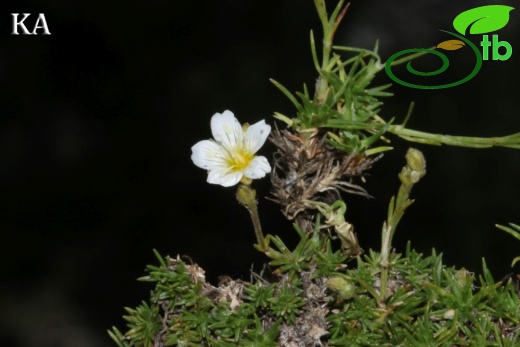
{"x": 385, "y": 255}
{"x": 246, "y": 196}
{"x": 258, "y": 227}
{"x": 329, "y": 28}
{"x": 511, "y": 141}
{"x": 410, "y": 57}
{"x": 322, "y": 84}
{"x": 414, "y": 170}
{"x": 327, "y": 42}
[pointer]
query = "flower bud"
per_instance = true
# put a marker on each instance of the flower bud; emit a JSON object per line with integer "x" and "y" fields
{"x": 415, "y": 168}
{"x": 341, "y": 286}
{"x": 415, "y": 160}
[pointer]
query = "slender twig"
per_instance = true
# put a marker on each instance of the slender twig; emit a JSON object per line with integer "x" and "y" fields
{"x": 329, "y": 26}
{"x": 414, "y": 170}
{"x": 247, "y": 198}
{"x": 511, "y": 141}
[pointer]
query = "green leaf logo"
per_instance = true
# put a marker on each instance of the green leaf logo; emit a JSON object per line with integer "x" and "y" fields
{"x": 483, "y": 19}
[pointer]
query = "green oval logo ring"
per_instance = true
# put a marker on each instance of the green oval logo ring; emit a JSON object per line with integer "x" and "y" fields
{"x": 445, "y": 64}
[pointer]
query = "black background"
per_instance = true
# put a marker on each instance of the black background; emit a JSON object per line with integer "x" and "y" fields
{"x": 97, "y": 122}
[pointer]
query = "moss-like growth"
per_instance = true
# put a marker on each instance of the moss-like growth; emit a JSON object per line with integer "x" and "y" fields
{"x": 428, "y": 304}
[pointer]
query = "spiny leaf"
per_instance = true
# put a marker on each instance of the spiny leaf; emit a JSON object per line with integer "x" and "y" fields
{"x": 288, "y": 94}
{"x": 513, "y": 231}
{"x": 517, "y": 259}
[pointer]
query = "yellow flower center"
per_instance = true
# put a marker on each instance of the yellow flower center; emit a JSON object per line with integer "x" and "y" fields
{"x": 239, "y": 160}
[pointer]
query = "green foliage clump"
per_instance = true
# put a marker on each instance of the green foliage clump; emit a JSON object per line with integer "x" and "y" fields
{"x": 427, "y": 303}
{"x": 185, "y": 310}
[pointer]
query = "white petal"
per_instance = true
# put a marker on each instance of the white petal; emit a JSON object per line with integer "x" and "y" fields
{"x": 209, "y": 155}
{"x": 257, "y": 168}
{"x": 256, "y": 135}
{"x": 226, "y": 130}
{"x": 224, "y": 177}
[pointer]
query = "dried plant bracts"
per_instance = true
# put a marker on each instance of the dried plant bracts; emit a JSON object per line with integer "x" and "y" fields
{"x": 306, "y": 168}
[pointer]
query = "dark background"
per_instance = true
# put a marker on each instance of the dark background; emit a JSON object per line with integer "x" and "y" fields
{"x": 97, "y": 121}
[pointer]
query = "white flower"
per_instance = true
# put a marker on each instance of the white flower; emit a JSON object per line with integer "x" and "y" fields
{"x": 231, "y": 156}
